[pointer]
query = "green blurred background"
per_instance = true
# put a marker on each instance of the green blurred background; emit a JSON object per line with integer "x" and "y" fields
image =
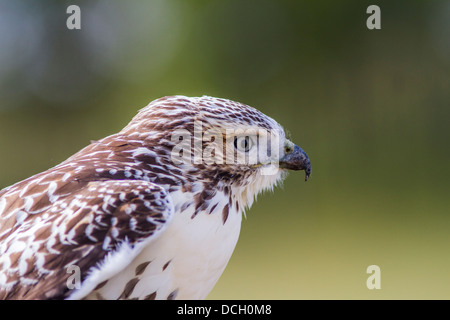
{"x": 370, "y": 107}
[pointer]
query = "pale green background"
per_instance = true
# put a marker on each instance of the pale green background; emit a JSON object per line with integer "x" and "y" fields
{"x": 371, "y": 109}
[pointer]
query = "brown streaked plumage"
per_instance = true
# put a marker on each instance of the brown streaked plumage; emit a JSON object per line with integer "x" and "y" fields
{"x": 132, "y": 220}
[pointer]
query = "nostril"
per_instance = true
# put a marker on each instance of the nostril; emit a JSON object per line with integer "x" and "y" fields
{"x": 287, "y": 149}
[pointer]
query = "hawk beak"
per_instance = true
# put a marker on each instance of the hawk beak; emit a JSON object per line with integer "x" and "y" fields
{"x": 296, "y": 159}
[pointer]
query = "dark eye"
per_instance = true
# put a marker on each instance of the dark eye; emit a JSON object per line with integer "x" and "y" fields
{"x": 243, "y": 143}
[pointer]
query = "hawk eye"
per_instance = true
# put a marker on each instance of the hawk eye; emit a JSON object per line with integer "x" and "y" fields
{"x": 243, "y": 143}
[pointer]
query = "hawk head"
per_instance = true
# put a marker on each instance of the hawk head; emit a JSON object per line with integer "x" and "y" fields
{"x": 222, "y": 143}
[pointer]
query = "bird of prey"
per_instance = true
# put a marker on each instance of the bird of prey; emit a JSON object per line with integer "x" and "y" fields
{"x": 152, "y": 212}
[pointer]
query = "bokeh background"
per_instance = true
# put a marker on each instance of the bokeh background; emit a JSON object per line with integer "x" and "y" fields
{"x": 370, "y": 107}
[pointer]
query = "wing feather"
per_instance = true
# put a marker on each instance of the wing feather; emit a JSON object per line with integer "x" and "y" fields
{"x": 92, "y": 226}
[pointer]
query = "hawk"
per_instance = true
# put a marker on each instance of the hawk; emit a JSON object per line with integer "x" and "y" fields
{"x": 152, "y": 212}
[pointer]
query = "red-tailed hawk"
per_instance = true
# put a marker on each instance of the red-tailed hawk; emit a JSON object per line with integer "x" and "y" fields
{"x": 152, "y": 212}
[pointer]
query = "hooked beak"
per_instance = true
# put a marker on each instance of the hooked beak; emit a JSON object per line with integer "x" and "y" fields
{"x": 296, "y": 159}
